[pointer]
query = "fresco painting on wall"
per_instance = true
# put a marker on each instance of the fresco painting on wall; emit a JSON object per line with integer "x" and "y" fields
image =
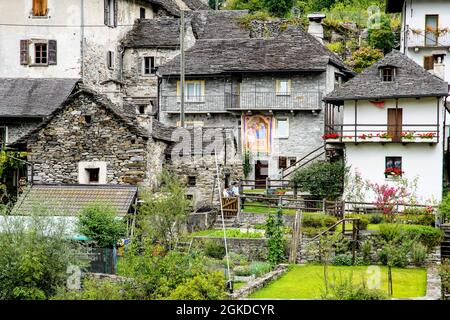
{"x": 257, "y": 133}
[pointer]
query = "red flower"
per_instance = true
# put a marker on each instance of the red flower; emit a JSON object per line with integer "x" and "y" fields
{"x": 330, "y": 136}
{"x": 396, "y": 172}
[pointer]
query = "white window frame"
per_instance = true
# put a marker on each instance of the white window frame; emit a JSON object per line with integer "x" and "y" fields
{"x": 278, "y": 87}
{"x": 83, "y": 175}
{"x": 278, "y": 135}
{"x": 196, "y": 98}
{"x": 151, "y": 73}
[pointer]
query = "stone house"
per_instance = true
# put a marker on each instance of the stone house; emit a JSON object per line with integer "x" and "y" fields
{"x": 389, "y": 120}
{"x": 261, "y": 89}
{"x": 88, "y": 140}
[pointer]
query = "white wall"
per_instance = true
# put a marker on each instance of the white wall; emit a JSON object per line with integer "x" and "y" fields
{"x": 414, "y": 16}
{"x": 420, "y": 160}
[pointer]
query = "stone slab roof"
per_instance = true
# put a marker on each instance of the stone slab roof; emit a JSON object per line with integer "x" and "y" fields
{"x": 411, "y": 80}
{"x": 70, "y": 200}
{"x": 292, "y": 51}
{"x": 169, "y": 5}
{"x": 197, "y": 4}
{"x": 221, "y": 24}
{"x": 21, "y": 97}
{"x": 154, "y": 33}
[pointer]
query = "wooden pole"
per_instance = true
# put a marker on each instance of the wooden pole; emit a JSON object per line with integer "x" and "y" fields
{"x": 182, "y": 70}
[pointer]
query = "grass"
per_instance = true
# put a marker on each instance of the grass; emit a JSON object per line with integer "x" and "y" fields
{"x": 238, "y": 284}
{"x": 255, "y": 191}
{"x": 253, "y": 207}
{"x": 231, "y": 233}
{"x": 306, "y": 282}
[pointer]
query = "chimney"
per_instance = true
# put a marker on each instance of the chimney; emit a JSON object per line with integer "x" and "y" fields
{"x": 439, "y": 65}
{"x": 315, "y": 27}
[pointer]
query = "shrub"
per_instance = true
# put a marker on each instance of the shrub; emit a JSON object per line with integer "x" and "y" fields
{"x": 318, "y": 220}
{"x": 214, "y": 249}
{"x": 99, "y": 222}
{"x": 422, "y": 219}
{"x": 97, "y": 289}
{"x": 444, "y": 272}
{"x": 418, "y": 254}
{"x": 444, "y": 208}
{"x": 429, "y": 236}
{"x": 395, "y": 255}
{"x": 362, "y": 293}
{"x": 376, "y": 218}
{"x": 243, "y": 271}
{"x": 260, "y": 268}
{"x": 346, "y": 259}
{"x": 363, "y": 58}
{"x": 389, "y": 231}
{"x": 276, "y": 241}
{"x": 201, "y": 287}
{"x": 321, "y": 179}
{"x": 344, "y": 288}
{"x": 363, "y": 220}
{"x": 366, "y": 251}
{"x": 236, "y": 259}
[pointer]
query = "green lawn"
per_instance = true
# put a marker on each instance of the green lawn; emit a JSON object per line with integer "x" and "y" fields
{"x": 238, "y": 284}
{"x": 306, "y": 282}
{"x": 231, "y": 233}
{"x": 253, "y": 207}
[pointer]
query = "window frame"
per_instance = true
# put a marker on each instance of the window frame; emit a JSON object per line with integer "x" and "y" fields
{"x": 34, "y": 55}
{"x": 151, "y": 68}
{"x": 282, "y": 162}
{"x": 194, "y": 99}
{"x": 277, "y": 134}
{"x": 394, "y": 159}
{"x": 90, "y": 171}
{"x": 386, "y": 77}
{"x": 192, "y": 181}
{"x": 436, "y": 34}
{"x": 278, "y": 87}
{"x": 142, "y": 13}
{"x": 110, "y": 60}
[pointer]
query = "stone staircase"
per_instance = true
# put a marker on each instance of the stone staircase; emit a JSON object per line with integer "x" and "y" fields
{"x": 229, "y": 222}
{"x": 445, "y": 244}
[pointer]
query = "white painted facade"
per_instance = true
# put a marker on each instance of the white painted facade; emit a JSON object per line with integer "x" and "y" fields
{"x": 420, "y": 159}
{"x": 413, "y": 36}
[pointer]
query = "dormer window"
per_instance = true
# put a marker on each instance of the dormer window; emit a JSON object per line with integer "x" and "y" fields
{"x": 388, "y": 74}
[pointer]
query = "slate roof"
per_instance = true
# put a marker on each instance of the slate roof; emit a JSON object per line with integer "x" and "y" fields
{"x": 196, "y": 5}
{"x": 70, "y": 200}
{"x": 169, "y": 5}
{"x": 206, "y": 24}
{"x": 22, "y": 97}
{"x": 411, "y": 81}
{"x": 293, "y": 50}
{"x": 159, "y": 132}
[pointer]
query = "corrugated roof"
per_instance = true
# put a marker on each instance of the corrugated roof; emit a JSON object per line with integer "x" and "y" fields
{"x": 72, "y": 199}
{"x": 411, "y": 80}
{"x": 22, "y": 97}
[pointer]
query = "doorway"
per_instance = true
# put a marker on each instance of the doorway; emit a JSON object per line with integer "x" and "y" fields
{"x": 261, "y": 173}
{"x": 395, "y": 124}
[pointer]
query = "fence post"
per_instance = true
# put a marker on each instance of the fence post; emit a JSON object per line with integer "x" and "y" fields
{"x": 267, "y": 185}
{"x": 324, "y": 206}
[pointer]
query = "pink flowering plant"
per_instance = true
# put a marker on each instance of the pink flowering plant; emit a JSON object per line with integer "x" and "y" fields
{"x": 387, "y": 198}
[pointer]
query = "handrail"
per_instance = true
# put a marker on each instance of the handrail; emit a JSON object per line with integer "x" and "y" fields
{"x": 334, "y": 226}
{"x": 297, "y": 162}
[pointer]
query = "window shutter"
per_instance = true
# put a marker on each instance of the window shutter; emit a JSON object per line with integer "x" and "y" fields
{"x": 24, "y": 52}
{"x": 52, "y": 52}
{"x": 141, "y": 65}
{"x": 106, "y": 12}
{"x": 428, "y": 62}
{"x": 115, "y": 13}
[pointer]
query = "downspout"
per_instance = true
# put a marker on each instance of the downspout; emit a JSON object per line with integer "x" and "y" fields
{"x": 159, "y": 97}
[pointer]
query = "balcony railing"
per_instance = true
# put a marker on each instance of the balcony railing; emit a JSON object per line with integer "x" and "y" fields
{"x": 310, "y": 100}
{"x": 381, "y": 133}
{"x": 420, "y": 38}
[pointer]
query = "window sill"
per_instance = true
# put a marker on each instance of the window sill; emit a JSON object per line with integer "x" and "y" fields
{"x": 284, "y": 94}
{"x": 39, "y": 17}
{"x": 38, "y": 65}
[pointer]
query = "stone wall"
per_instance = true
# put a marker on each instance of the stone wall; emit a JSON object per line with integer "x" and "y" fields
{"x": 18, "y": 127}
{"x": 253, "y": 248}
{"x": 253, "y": 219}
{"x": 68, "y": 139}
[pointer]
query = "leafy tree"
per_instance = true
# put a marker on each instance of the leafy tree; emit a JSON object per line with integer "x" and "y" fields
{"x": 247, "y": 164}
{"x": 99, "y": 222}
{"x": 444, "y": 208}
{"x": 322, "y": 179}
{"x": 279, "y": 8}
{"x": 319, "y": 5}
{"x": 363, "y": 58}
{"x": 162, "y": 213}
{"x": 382, "y": 38}
{"x": 252, "y": 5}
{"x": 274, "y": 233}
{"x": 34, "y": 256}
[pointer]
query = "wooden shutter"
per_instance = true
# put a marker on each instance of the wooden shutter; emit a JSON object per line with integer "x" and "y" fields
{"x": 428, "y": 62}
{"x": 52, "y": 52}
{"x": 24, "y": 52}
{"x": 106, "y": 12}
{"x": 282, "y": 162}
{"x": 395, "y": 123}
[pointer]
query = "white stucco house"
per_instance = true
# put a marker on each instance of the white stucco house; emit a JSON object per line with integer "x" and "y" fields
{"x": 425, "y": 35}
{"x": 389, "y": 119}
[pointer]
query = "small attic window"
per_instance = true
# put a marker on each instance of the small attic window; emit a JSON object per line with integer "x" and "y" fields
{"x": 88, "y": 119}
{"x": 388, "y": 74}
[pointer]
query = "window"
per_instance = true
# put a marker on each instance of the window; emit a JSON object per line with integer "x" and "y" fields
{"x": 88, "y": 119}
{"x": 3, "y": 136}
{"x": 428, "y": 62}
{"x": 40, "y": 8}
{"x": 282, "y": 128}
{"x": 110, "y": 60}
{"x": 393, "y": 167}
{"x": 431, "y": 30}
{"x": 282, "y": 163}
{"x": 292, "y": 161}
{"x": 40, "y": 53}
{"x": 149, "y": 65}
{"x": 111, "y": 13}
{"x": 388, "y": 74}
{"x": 142, "y": 109}
{"x": 192, "y": 181}
{"x": 142, "y": 13}
{"x": 194, "y": 91}
{"x": 283, "y": 87}
{"x": 93, "y": 175}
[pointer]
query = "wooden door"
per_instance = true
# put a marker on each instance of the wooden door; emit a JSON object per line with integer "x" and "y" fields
{"x": 395, "y": 123}
{"x": 261, "y": 173}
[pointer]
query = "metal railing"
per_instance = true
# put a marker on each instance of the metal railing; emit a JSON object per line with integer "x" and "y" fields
{"x": 422, "y": 38}
{"x": 308, "y": 100}
{"x": 405, "y": 133}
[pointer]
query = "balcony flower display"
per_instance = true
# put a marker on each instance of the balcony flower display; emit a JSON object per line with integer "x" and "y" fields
{"x": 384, "y": 135}
{"x": 408, "y": 135}
{"x": 393, "y": 172}
{"x": 330, "y": 136}
{"x": 428, "y": 135}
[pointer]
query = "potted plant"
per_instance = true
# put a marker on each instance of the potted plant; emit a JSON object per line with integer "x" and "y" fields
{"x": 331, "y": 137}
{"x": 409, "y": 135}
{"x": 393, "y": 173}
{"x": 384, "y": 136}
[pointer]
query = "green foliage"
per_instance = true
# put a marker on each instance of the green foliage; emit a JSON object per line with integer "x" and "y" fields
{"x": 201, "y": 287}
{"x": 382, "y": 38}
{"x": 318, "y": 220}
{"x": 343, "y": 288}
{"x": 363, "y": 220}
{"x": 418, "y": 254}
{"x": 322, "y": 179}
{"x": 428, "y": 236}
{"x": 276, "y": 241}
{"x": 252, "y": 5}
{"x": 278, "y": 8}
{"x": 395, "y": 253}
{"x": 260, "y": 268}
{"x": 425, "y": 219}
{"x": 34, "y": 256}
{"x": 363, "y": 58}
{"x": 231, "y": 233}
{"x": 247, "y": 164}
{"x": 97, "y": 289}
{"x": 99, "y": 222}
{"x": 376, "y": 218}
{"x": 366, "y": 251}
{"x": 444, "y": 208}
{"x": 214, "y": 249}
{"x": 162, "y": 213}
{"x": 346, "y": 259}
{"x": 444, "y": 272}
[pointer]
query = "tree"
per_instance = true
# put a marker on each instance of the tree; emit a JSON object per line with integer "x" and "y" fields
{"x": 364, "y": 58}
{"x": 324, "y": 180}
{"x": 35, "y": 256}
{"x": 99, "y": 222}
{"x": 213, "y": 4}
{"x": 162, "y": 213}
{"x": 274, "y": 233}
{"x": 382, "y": 38}
{"x": 279, "y": 8}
